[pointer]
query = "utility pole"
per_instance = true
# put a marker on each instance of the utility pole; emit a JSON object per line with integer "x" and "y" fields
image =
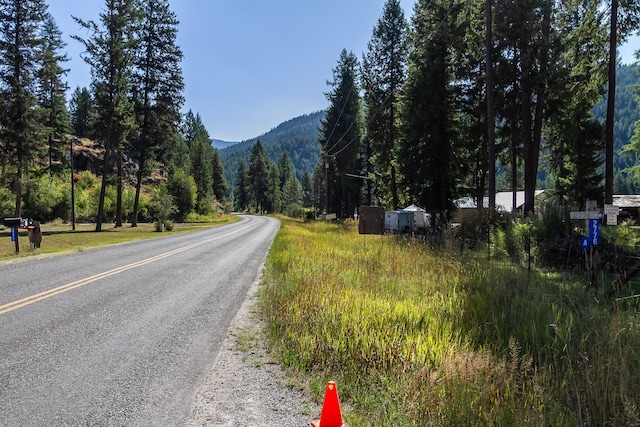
{"x": 611, "y": 106}
{"x": 326, "y": 181}
{"x": 325, "y": 158}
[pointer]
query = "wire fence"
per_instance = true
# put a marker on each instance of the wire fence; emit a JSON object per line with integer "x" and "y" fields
{"x": 612, "y": 267}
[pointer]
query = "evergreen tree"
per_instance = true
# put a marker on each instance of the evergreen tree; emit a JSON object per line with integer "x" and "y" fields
{"x": 241, "y": 197}
{"x": 258, "y": 176}
{"x": 220, "y": 187}
{"x": 273, "y": 196}
{"x": 20, "y": 61}
{"x": 285, "y": 166}
{"x": 574, "y": 138}
{"x": 190, "y": 126}
{"x": 201, "y": 155}
{"x": 307, "y": 190}
{"x": 174, "y": 152}
{"x": 384, "y": 69}
{"x": 109, "y": 52}
{"x": 340, "y": 138}
{"x": 469, "y": 96}
{"x": 426, "y": 153}
{"x": 624, "y": 20}
{"x": 292, "y": 196}
{"x": 81, "y": 111}
{"x": 157, "y": 85}
{"x": 52, "y": 89}
{"x": 523, "y": 74}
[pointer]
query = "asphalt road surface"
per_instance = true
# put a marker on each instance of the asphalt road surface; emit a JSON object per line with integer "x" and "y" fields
{"x": 123, "y": 335}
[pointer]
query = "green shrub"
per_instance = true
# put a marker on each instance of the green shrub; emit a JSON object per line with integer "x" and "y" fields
{"x": 86, "y": 181}
{"x": 184, "y": 190}
{"x": 294, "y": 210}
{"x": 7, "y": 203}
{"x": 161, "y": 207}
{"x": 45, "y": 199}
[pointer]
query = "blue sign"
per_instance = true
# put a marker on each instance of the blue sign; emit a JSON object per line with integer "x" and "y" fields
{"x": 14, "y": 234}
{"x": 585, "y": 243}
{"x": 594, "y": 232}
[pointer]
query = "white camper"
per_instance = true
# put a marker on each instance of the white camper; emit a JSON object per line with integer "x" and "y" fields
{"x": 421, "y": 219}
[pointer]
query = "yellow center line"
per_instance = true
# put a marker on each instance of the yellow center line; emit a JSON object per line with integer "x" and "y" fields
{"x": 78, "y": 283}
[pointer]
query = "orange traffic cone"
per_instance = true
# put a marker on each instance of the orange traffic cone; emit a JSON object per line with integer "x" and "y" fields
{"x": 330, "y": 416}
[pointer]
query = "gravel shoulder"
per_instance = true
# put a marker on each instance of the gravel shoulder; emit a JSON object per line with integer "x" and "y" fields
{"x": 245, "y": 386}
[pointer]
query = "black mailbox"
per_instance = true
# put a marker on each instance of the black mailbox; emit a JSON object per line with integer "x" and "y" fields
{"x": 12, "y": 222}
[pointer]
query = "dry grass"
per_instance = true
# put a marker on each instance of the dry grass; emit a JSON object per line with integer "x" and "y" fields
{"x": 58, "y": 237}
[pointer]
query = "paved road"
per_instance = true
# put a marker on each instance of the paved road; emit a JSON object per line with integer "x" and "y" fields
{"x": 122, "y": 335}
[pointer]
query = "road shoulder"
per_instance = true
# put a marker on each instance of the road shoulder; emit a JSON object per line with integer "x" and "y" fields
{"x": 245, "y": 387}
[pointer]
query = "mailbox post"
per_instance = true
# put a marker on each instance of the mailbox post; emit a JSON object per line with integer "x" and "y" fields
{"x": 24, "y": 223}
{"x": 14, "y": 223}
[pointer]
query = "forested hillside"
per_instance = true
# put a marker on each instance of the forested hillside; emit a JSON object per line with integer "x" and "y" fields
{"x": 298, "y": 137}
{"x": 627, "y": 114}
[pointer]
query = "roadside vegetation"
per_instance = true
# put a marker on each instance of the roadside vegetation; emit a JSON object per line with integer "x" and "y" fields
{"x": 417, "y": 336}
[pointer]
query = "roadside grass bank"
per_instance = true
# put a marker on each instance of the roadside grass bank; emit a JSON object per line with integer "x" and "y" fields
{"x": 416, "y": 336}
{"x": 58, "y": 237}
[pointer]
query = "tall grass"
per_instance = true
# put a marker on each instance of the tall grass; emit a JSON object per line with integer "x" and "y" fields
{"x": 416, "y": 336}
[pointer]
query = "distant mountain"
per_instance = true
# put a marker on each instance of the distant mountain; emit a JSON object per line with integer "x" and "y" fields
{"x": 298, "y": 137}
{"x": 220, "y": 144}
{"x": 627, "y": 114}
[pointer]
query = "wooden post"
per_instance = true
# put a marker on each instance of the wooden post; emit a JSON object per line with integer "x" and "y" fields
{"x": 592, "y": 258}
{"x": 17, "y": 241}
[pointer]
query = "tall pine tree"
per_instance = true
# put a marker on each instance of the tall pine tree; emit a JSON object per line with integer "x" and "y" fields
{"x": 384, "y": 70}
{"x": 241, "y": 196}
{"x": 220, "y": 186}
{"x": 20, "y": 61}
{"x": 52, "y": 90}
{"x": 426, "y": 151}
{"x": 157, "y": 86}
{"x": 574, "y": 137}
{"x": 109, "y": 52}
{"x": 201, "y": 155}
{"x": 340, "y": 139}
{"x": 81, "y": 111}
{"x": 258, "y": 176}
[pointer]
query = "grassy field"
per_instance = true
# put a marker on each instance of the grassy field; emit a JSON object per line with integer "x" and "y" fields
{"x": 58, "y": 237}
{"x": 415, "y": 336}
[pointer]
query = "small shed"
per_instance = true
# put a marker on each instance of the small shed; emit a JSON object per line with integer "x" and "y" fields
{"x": 397, "y": 221}
{"x": 629, "y": 205}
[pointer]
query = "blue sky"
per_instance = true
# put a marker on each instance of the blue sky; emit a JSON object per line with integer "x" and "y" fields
{"x": 251, "y": 64}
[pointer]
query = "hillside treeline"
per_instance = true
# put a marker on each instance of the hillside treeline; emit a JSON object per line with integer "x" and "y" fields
{"x": 131, "y": 114}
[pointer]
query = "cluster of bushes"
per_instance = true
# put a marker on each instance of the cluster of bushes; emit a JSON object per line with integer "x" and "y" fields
{"x": 48, "y": 198}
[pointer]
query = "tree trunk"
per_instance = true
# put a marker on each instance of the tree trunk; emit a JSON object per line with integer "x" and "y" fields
{"x": 533, "y": 156}
{"x": 105, "y": 175}
{"x": 491, "y": 112}
{"x": 18, "y": 189}
{"x": 103, "y": 189}
{"x": 611, "y": 105}
{"x": 136, "y": 203}
{"x": 119, "y": 190}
